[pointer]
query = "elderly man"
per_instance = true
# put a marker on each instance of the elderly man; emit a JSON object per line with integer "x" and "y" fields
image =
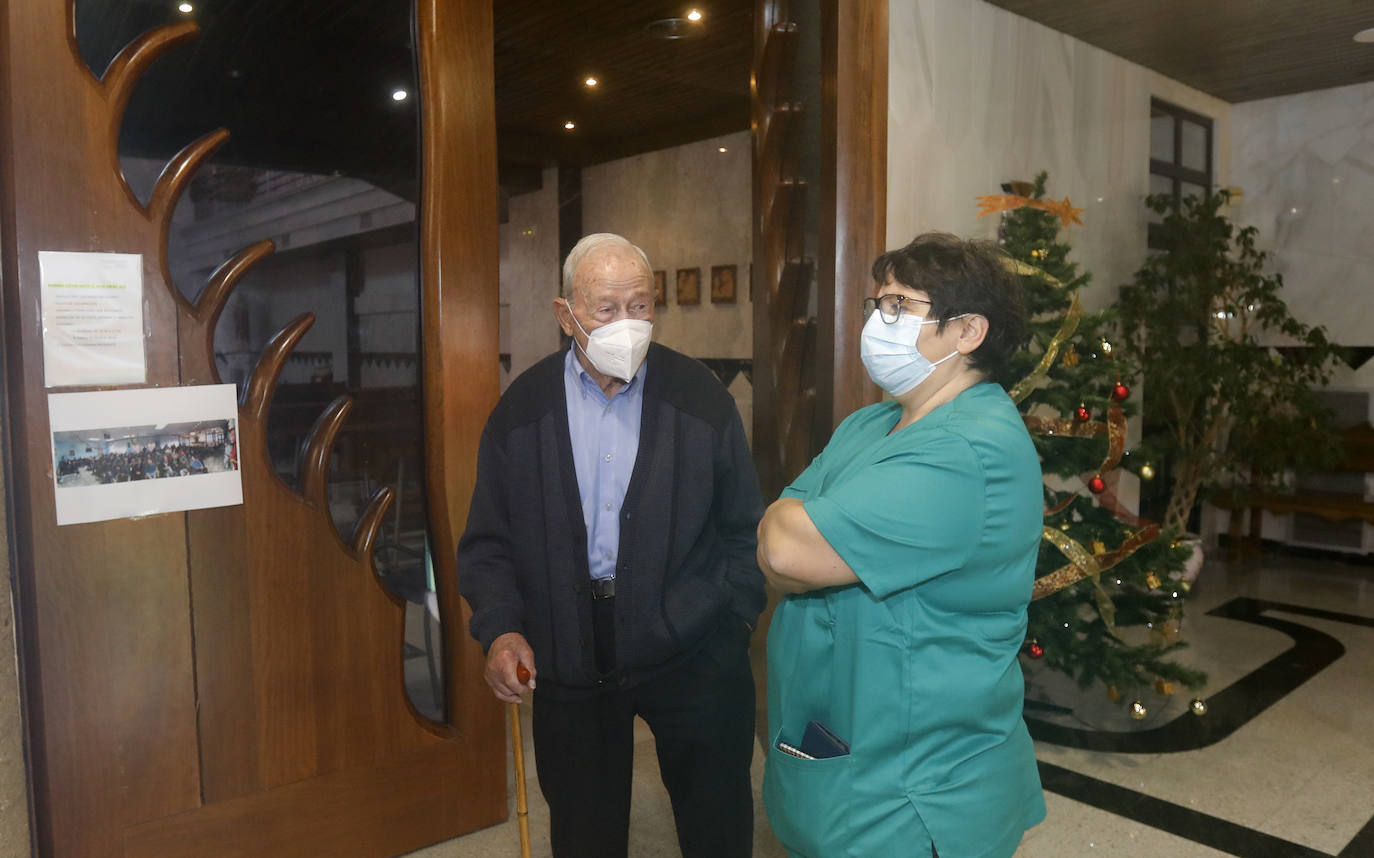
{"x": 610, "y": 551}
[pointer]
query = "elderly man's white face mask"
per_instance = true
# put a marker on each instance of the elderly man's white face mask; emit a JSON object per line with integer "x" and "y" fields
{"x": 617, "y": 349}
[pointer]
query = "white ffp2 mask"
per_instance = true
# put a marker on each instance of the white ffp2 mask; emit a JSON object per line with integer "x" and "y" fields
{"x": 619, "y": 348}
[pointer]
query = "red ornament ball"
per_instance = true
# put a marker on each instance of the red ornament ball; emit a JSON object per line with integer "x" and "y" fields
{"x": 1036, "y": 650}
{"x": 1082, "y": 414}
{"x": 1097, "y": 485}
{"x": 1120, "y": 392}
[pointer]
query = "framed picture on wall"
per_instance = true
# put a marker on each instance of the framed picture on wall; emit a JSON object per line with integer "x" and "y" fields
{"x": 689, "y": 286}
{"x": 722, "y": 284}
{"x": 660, "y": 288}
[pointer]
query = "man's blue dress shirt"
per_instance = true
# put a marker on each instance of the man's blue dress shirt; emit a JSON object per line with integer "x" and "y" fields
{"x": 605, "y": 439}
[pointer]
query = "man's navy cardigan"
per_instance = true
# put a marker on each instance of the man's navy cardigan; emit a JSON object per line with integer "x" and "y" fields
{"x": 687, "y": 528}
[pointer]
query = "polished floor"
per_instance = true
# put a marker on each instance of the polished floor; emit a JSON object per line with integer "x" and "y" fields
{"x": 1282, "y": 763}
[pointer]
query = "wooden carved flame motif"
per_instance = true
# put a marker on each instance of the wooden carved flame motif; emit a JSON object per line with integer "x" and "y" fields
{"x": 298, "y": 644}
{"x": 785, "y": 341}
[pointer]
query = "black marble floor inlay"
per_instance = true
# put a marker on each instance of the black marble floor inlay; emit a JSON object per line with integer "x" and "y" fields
{"x": 1174, "y": 818}
{"x": 1228, "y": 710}
{"x": 1233, "y": 706}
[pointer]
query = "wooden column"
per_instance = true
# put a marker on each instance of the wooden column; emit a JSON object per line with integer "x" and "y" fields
{"x": 853, "y": 194}
{"x": 819, "y": 117}
{"x": 459, "y": 246}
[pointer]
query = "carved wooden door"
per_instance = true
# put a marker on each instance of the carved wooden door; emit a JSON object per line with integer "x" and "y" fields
{"x": 228, "y": 681}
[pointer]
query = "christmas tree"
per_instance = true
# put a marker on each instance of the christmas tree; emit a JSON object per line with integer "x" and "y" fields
{"x": 1108, "y": 600}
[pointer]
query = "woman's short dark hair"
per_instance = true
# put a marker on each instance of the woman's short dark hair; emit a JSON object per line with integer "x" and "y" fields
{"x": 964, "y": 276}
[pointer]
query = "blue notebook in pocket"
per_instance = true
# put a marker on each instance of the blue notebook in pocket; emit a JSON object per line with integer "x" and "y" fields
{"x": 818, "y": 741}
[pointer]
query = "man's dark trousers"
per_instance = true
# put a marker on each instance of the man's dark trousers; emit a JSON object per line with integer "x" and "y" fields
{"x": 701, "y": 712}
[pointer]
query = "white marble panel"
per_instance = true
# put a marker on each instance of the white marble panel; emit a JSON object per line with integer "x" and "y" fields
{"x": 1306, "y": 164}
{"x": 978, "y": 96}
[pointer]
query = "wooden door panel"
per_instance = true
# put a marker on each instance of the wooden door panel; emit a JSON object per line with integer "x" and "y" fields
{"x": 107, "y": 648}
{"x": 398, "y": 805}
{"x": 229, "y": 681}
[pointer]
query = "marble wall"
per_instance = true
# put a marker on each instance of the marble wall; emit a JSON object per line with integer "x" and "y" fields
{"x": 529, "y": 277}
{"x": 1306, "y": 166}
{"x": 978, "y": 96}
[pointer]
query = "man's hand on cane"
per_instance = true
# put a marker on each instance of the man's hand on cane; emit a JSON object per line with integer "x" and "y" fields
{"x": 510, "y": 667}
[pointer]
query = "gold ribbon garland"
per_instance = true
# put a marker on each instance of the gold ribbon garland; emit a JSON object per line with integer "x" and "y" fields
{"x": 1024, "y": 387}
{"x": 1116, "y": 438}
{"x": 1083, "y": 563}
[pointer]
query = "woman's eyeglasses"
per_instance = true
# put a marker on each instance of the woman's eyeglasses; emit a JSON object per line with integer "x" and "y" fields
{"x": 891, "y": 307}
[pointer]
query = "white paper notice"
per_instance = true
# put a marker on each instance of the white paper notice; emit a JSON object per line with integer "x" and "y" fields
{"x": 92, "y": 318}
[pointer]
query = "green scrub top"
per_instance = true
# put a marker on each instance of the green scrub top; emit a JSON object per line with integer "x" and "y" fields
{"x": 916, "y": 665}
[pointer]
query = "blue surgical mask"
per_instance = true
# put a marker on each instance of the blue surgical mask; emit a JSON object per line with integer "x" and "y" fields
{"x": 890, "y": 355}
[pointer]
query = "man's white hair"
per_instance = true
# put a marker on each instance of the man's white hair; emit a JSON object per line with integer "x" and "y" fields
{"x": 589, "y": 244}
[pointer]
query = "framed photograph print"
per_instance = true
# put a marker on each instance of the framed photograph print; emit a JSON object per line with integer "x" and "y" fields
{"x": 722, "y": 284}
{"x": 660, "y": 288}
{"x": 688, "y": 286}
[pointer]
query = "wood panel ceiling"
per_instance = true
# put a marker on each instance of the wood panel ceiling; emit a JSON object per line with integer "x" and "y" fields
{"x": 651, "y": 92}
{"x": 1236, "y": 50}
{"x": 306, "y": 85}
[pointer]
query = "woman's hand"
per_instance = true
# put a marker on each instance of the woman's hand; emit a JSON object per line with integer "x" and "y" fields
{"x": 793, "y": 555}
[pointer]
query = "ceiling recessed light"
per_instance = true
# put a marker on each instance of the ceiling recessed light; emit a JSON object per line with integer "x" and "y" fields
{"x": 722, "y": 149}
{"x": 187, "y": 8}
{"x": 399, "y": 95}
{"x": 570, "y": 125}
{"x": 694, "y": 15}
{"x": 591, "y": 81}
{"x": 1365, "y": 35}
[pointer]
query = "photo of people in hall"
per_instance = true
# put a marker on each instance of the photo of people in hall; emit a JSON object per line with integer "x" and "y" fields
{"x": 123, "y": 454}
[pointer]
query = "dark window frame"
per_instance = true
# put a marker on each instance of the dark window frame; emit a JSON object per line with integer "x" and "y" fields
{"x": 1173, "y": 169}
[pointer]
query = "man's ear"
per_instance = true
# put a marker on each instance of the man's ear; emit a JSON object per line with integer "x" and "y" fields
{"x": 562, "y": 312}
{"x": 972, "y": 334}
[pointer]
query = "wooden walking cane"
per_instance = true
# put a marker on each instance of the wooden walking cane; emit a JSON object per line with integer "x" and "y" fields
{"x": 522, "y": 810}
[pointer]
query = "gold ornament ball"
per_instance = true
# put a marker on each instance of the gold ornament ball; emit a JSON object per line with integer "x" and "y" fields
{"x": 1064, "y": 526}
{"x": 1147, "y": 471}
{"x": 1198, "y": 706}
{"x": 1106, "y": 348}
{"x": 1138, "y": 710}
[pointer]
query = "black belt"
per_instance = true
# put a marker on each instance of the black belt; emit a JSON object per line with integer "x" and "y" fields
{"x": 603, "y": 588}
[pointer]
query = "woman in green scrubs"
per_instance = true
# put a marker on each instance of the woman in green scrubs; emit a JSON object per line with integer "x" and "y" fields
{"x": 907, "y": 552}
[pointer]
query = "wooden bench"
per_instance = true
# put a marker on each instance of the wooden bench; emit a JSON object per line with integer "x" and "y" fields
{"x": 1332, "y": 506}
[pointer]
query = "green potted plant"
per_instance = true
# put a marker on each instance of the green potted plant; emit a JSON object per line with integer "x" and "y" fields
{"x": 1222, "y": 408}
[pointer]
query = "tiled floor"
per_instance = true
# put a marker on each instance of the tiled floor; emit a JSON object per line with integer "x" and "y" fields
{"x": 1296, "y": 779}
